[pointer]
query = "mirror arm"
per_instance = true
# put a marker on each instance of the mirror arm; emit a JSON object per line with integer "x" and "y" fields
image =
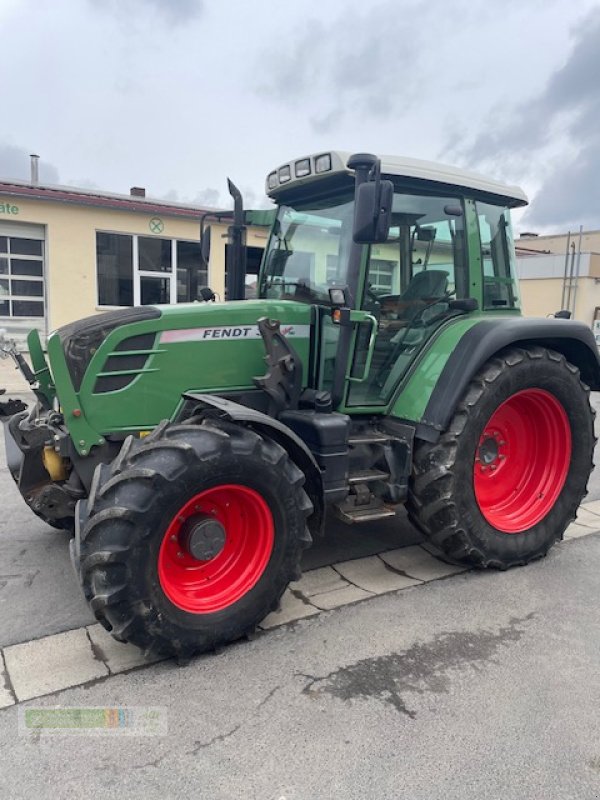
{"x": 376, "y": 177}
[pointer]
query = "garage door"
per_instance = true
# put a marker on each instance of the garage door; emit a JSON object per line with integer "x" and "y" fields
{"x": 22, "y": 280}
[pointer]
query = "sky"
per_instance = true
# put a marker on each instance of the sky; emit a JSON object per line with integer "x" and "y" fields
{"x": 177, "y": 95}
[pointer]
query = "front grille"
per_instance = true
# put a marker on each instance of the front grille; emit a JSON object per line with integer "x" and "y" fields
{"x": 119, "y": 363}
{"x": 81, "y": 339}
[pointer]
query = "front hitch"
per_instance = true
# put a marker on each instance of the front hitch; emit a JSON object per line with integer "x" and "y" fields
{"x": 8, "y": 349}
{"x": 37, "y": 378}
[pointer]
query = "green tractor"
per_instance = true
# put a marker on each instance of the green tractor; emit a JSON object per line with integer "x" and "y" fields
{"x": 399, "y": 370}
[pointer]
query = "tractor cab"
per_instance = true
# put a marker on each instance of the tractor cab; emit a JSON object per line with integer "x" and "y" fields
{"x": 402, "y": 245}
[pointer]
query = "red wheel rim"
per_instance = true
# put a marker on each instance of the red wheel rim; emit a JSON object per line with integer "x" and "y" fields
{"x": 203, "y": 586}
{"x": 522, "y": 460}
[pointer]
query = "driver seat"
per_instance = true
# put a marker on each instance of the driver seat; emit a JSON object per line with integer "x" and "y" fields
{"x": 429, "y": 284}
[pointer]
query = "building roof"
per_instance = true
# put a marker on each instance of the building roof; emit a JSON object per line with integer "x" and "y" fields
{"x": 405, "y": 167}
{"x": 99, "y": 199}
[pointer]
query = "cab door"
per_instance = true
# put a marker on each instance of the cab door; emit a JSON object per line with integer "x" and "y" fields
{"x": 409, "y": 282}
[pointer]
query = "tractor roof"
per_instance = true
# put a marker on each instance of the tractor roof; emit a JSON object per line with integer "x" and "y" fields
{"x": 307, "y": 169}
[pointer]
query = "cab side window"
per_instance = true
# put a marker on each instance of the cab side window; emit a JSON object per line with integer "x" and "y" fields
{"x": 499, "y": 286}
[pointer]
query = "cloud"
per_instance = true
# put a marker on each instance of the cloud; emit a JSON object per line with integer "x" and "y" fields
{"x": 84, "y": 183}
{"x": 554, "y": 138}
{"x": 208, "y": 198}
{"x": 214, "y": 198}
{"x": 353, "y": 63}
{"x": 570, "y": 195}
{"x": 15, "y": 164}
{"x": 174, "y": 12}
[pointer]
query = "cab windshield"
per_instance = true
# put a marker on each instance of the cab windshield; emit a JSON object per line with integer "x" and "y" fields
{"x": 308, "y": 251}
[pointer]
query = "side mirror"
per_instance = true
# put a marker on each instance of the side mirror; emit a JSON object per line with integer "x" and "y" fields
{"x": 373, "y": 211}
{"x": 205, "y": 246}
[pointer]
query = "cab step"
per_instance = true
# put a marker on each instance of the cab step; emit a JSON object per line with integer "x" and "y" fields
{"x": 367, "y": 475}
{"x": 351, "y": 511}
{"x": 368, "y": 438}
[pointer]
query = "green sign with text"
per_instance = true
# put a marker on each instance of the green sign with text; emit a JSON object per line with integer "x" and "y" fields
{"x": 8, "y": 208}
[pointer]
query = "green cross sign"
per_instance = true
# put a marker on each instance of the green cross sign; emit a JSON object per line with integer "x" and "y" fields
{"x": 156, "y": 225}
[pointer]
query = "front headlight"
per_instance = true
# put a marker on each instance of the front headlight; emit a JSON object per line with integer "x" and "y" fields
{"x": 285, "y": 174}
{"x": 302, "y": 168}
{"x": 323, "y": 163}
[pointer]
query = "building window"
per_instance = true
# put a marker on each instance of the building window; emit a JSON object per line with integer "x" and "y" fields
{"x": 114, "y": 259}
{"x": 191, "y": 272}
{"x": 253, "y": 261}
{"x": 21, "y": 277}
{"x": 142, "y": 270}
{"x": 381, "y": 275}
{"x": 154, "y": 255}
{"x": 154, "y": 291}
{"x": 332, "y": 264}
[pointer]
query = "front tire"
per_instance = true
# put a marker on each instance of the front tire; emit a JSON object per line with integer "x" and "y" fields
{"x": 502, "y": 484}
{"x": 192, "y": 536}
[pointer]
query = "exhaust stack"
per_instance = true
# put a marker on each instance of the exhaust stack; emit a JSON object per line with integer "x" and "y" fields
{"x": 235, "y": 268}
{"x": 35, "y": 169}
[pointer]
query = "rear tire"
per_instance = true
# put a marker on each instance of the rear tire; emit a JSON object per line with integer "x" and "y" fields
{"x": 504, "y": 481}
{"x": 136, "y": 564}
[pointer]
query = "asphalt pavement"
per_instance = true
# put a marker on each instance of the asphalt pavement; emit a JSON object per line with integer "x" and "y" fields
{"x": 480, "y": 685}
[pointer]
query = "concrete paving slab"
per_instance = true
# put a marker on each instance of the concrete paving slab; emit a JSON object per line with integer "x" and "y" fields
{"x": 587, "y": 518}
{"x": 593, "y": 507}
{"x": 417, "y": 563}
{"x": 340, "y": 597}
{"x": 319, "y": 581}
{"x": 574, "y": 531}
{"x": 53, "y": 663}
{"x": 342, "y": 542}
{"x": 373, "y": 575}
{"x": 6, "y": 696}
{"x": 118, "y": 657}
{"x": 292, "y": 608}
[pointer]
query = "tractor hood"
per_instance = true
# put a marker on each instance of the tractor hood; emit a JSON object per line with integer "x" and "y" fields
{"x": 126, "y": 370}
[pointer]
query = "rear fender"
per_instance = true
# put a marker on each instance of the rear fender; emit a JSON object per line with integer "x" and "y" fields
{"x": 481, "y": 342}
